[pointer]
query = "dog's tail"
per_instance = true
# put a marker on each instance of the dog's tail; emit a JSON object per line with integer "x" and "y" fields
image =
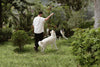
{"x": 62, "y": 33}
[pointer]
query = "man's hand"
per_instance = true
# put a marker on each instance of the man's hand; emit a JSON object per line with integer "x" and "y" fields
{"x": 52, "y": 14}
{"x": 49, "y": 16}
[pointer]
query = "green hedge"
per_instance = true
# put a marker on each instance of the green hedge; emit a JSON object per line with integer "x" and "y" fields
{"x": 20, "y": 38}
{"x": 86, "y": 46}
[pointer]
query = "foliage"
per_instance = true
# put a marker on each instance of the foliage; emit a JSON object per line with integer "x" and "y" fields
{"x": 20, "y": 38}
{"x": 5, "y": 34}
{"x": 74, "y": 4}
{"x": 87, "y": 46}
{"x": 4, "y": 10}
{"x": 87, "y": 24}
{"x": 21, "y": 5}
{"x": 7, "y": 5}
{"x": 24, "y": 21}
{"x": 78, "y": 20}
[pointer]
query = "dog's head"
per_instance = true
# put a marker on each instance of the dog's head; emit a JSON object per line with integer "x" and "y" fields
{"x": 52, "y": 32}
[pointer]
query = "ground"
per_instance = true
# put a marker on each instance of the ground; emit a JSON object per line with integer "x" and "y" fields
{"x": 63, "y": 57}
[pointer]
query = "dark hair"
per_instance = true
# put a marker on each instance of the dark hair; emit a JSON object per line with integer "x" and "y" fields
{"x": 40, "y": 12}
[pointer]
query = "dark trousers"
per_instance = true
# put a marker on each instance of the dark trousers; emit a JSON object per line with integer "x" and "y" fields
{"x": 38, "y": 37}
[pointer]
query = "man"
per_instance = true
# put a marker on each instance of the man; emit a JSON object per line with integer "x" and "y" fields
{"x": 38, "y": 25}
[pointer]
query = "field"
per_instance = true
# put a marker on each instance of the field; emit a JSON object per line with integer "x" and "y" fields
{"x": 63, "y": 57}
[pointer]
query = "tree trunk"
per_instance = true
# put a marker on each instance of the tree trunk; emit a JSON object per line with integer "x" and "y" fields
{"x": 0, "y": 15}
{"x": 97, "y": 14}
{"x": 20, "y": 47}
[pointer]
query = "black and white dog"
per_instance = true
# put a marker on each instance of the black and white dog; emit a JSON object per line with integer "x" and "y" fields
{"x": 59, "y": 34}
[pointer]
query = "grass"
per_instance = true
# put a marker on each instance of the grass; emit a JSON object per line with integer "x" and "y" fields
{"x": 62, "y": 57}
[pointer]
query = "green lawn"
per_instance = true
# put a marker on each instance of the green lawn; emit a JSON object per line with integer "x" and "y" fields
{"x": 62, "y": 57}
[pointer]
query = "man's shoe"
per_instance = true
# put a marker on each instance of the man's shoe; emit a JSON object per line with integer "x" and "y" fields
{"x": 36, "y": 49}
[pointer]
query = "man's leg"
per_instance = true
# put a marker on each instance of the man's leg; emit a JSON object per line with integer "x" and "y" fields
{"x": 38, "y": 37}
{"x": 36, "y": 41}
{"x": 41, "y": 36}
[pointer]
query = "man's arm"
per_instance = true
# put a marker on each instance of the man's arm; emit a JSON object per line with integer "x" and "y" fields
{"x": 49, "y": 16}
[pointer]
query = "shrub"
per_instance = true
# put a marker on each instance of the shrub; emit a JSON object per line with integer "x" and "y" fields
{"x": 87, "y": 24}
{"x": 87, "y": 46}
{"x": 20, "y": 38}
{"x": 5, "y": 34}
{"x": 30, "y": 32}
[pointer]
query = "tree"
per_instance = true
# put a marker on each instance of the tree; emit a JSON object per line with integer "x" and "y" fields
{"x": 74, "y": 4}
{"x": 77, "y": 5}
{"x": 0, "y": 15}
{"x": 20, "y": 38}
{"x": 6, "y": 5}
{"x": 97, "y": 14}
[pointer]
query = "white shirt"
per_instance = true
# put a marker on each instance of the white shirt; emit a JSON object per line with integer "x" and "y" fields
{"x": 38, "y": 24}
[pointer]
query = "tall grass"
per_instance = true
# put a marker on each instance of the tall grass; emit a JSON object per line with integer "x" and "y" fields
{"x": 10, "y": 57}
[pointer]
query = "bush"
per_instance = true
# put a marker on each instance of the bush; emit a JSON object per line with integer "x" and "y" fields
{"x": 30, "y": 32}
{"x": 20, "y": 38}
{"x": 5, "y": 34}
{"x": 87, "y": 46}
{"x": 87, "y": 24}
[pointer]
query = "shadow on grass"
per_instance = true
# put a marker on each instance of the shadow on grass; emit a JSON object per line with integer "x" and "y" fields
{"x": 51, "y": 51}
{"x": 2, "y": 43}
{"x": 6, "y": 43}
{"x": 24, "y": 50}
{"x": 54, "y": 51}
{"x": 65, "y": 42}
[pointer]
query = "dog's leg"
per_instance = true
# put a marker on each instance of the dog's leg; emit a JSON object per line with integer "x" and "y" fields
{"x": 59, "y": 38}
{"x": 42, "y": 50}
{"x": 55, "y": 45}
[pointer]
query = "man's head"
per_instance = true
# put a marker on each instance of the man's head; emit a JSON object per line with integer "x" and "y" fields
{"x": 40, "y": 13}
